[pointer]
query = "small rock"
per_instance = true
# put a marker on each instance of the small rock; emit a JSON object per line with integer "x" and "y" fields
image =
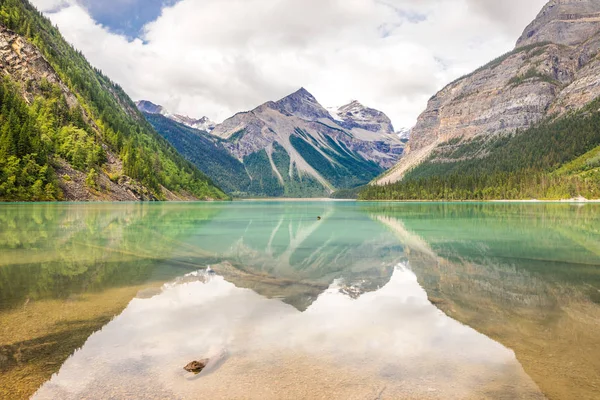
{"x": 196, "y": 366}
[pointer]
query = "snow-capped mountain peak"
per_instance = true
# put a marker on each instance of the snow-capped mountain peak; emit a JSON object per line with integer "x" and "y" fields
{"x": 334, "y": 113}
{"x": 355, "y": 115}
{"x": 203, "y": 124}
{"x": 404, "y": 133}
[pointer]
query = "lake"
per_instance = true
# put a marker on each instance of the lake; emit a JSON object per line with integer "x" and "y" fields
{"x": 371, "y": 301}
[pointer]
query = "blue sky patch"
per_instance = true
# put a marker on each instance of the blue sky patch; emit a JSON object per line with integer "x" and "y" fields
{"x": 125, "y": 17}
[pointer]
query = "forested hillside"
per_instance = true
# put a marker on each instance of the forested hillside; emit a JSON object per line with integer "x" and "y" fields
{"x": 557, "y": 159}
{"x": 62, "y": 121}
{"x": 205, "y": 151}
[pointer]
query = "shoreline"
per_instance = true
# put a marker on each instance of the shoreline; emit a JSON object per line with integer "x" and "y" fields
{"x": 318, "y": 199}
{"x": 565, "y": 201}
{"x": 295, "y": 199}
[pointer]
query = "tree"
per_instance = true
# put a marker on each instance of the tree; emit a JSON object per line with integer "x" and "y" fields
{"x": 92, "y": 179}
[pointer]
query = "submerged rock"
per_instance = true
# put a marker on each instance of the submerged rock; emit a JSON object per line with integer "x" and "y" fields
{"x": 215, "y": 357}
{"x": 196, "y": 366}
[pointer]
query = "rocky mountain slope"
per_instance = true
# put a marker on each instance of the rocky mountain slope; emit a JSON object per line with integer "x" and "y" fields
{"x": 68, "y": 133}
{"x": 203, "y": 124}
{"x": 295, "y": 147}
{"x": 553, "y": 71}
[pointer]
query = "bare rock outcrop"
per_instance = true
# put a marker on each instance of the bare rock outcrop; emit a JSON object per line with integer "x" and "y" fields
{"x": 568, "y": 22}
{"x": 24, "y": 63}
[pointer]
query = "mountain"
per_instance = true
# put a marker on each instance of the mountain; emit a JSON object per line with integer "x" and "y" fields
{"x": 146, "y": 106}
{"x": 203, "y": 124}
{"x": 519, "y": 118}
{"x": 355, "y": 115}
{"x": 404, "y": 134}
{"x": 293, "y": 147}
{"x": 68, "y": 133}
{"x": 205, "y": 151}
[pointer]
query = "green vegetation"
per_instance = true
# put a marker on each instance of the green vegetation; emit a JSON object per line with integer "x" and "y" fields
{"x": 585, "y": 166}
{"x": 532, "y": 74}
{"x": 347, "y": 194}
{"x": 25, "y": 144}
{"x": 237, "y": 136}
{"x": 554, "y": 160}
{"x": 206, "y": 152}
{"x": 264, "y": 179}
{"x": 92, "y": 179}
{"x": 297, "y": 184}
{"x": 252, "y": 178}
{"x": 337, "y": 164}
{"x": 105, "y": 119}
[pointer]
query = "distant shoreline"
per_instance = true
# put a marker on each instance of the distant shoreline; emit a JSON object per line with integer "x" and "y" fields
{"x": 275, "y": 199}
{"x": 565, "y": 201}
{"x": 322, "y": 200}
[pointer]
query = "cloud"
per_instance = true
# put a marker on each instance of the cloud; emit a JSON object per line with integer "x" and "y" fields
{"x": 219, "y": 57}
{"x": 504, "y": 14}
{"x": 51, "y": 6}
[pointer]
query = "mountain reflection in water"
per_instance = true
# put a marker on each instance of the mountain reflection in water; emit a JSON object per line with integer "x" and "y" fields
{"x": 527, "y": 275}
{"x": 340, "y": 307}
{"x": 390, "y": 341}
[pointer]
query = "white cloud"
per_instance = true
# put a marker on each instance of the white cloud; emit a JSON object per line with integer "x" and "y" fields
{"x": 218, "y": 57}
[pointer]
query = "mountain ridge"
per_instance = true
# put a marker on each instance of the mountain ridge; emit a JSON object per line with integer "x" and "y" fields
{"x": 293, "y": 147}
{"x": 567, "y": 22}
{"x": 539, "y": 78}
{"x": 543, "y": 95}
{"x": 203, "y": 123}
{"x": 303, "y": 105}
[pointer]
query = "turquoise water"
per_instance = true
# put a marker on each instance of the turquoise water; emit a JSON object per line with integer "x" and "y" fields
{"x": 383, "y": 300}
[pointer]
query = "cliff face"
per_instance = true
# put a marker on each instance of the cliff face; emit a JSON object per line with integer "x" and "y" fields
{"x": 568, "y": 22}
{"x": 23, "y": 63}
{"x": 554, "y": 69}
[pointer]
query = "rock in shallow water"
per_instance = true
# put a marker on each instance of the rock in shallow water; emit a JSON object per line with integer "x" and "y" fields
{"x": 196, "y": 366}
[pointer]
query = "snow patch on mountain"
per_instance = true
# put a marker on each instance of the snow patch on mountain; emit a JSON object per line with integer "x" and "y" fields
{"x": 203, "y": 124}
{"x": 404, "y": 133}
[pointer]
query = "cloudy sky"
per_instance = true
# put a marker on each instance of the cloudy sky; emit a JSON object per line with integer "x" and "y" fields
{"x": 219, "y": 57}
